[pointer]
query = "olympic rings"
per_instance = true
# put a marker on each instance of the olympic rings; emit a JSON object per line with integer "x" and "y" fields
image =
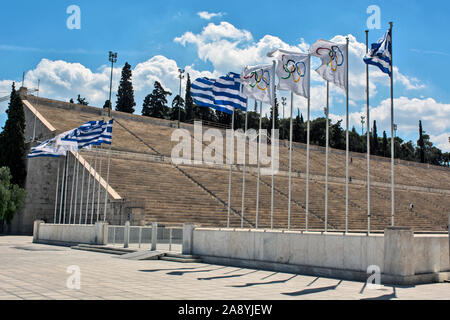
{"x": 260, "y": 81}
{"x": 293, "y": 68}
{"x": 333, "y": 53}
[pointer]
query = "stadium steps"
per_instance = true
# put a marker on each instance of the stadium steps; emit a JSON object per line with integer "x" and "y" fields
{"x": 430, "y": 208}
{"x": 183, "y": 258}
{"x": 102, "y": 249}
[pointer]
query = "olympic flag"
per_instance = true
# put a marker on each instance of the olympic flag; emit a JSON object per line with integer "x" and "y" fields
{"x": 292, "y": 71}
{"x": 333, "y": 55}
{"x": 257, "y": 82}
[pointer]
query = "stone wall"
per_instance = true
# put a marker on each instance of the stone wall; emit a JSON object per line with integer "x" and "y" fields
{"x": 400, "y": 256}
{"x": 41, "y": 183}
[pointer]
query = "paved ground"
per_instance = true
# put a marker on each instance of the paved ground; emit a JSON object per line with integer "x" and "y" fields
{"x": 33, "y": 271}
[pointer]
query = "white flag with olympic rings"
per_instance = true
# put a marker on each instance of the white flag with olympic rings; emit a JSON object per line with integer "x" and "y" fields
{"x": 293, "y": 71}
{"x": 257, "y": 82}
{"x": 334, "y": 66}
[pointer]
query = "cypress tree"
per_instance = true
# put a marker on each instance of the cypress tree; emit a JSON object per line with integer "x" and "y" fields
{"x": 374, "y": 148}
{"x": 421, "y": 143}
{"x": 277, "y": 118}
{"x": 189, "y": 102}
{"x": 125, "y": 95}
{"x": 12, "y": 140}
{"x": 385, "y": 144}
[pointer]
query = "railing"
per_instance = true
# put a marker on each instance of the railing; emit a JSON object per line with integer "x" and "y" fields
{"x": 142, "y": 237}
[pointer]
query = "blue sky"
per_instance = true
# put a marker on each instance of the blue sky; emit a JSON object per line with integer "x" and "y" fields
{"x": 157, "y": 38}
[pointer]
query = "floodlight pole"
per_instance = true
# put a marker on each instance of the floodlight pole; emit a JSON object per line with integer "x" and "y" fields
{"x": 179, "y": 108}
{"x": 112, "y": 59}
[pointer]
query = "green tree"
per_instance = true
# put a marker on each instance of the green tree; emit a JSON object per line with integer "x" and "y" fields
{"x": 421, "y": 144}
{"x": 298, "y": 129}
{"x": 107, "y": 104}
{"x": 386, "y": 152}
{"x": 11, "y": 196}
{"x": 125, "y": 95}
{"x": 12, "y": 140}
{"x": 407, "y": 151}
{"x": 189, "y": 102}
{"x": 355, "y": 142}
{"x": 155, "y": 103}
{"x": 337, "y": 136}
{"x": 82, "y": 101}
{"x": 374, "y": 149}
{"x": 253, "y": 120}
{"x": 277, "y": 118}
{"x": 178, "y": 104}
{"x": 317, "y": 131}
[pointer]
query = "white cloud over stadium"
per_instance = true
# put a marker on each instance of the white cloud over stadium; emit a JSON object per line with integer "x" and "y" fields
{"x": 228, "y": 48}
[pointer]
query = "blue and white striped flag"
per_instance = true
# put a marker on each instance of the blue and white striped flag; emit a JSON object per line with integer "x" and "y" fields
{"x": 94, "y": 133}
{"x": 222, "y": 94}
{"x": 380, "y": 54}
{"x": 48, "y": 148}
{"x": 202, "y": 92}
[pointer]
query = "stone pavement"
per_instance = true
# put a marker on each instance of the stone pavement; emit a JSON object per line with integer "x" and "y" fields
{"x": 34, "y": 271}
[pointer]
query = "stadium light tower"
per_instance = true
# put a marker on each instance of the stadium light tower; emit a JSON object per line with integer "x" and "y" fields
{"x": 112, "y": 59}
{"x": 181, "y": 76}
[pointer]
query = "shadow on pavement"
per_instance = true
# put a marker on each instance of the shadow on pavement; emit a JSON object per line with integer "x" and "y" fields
{"x": 225, "y": 277}
{"x": 156, "y": 270}
{"x": 311, "y": 291}
{"x": 250, "y": 284}
{"x": 389, "y": 296}
{"x": 180, "y": 273}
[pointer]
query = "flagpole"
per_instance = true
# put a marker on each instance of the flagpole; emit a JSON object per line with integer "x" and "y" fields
{"x": 56, "y": 196}
{"x": 62, "y": 189}
{"x": 82, "y": 189}
{"x": 347, "y": 146}
{"x": 99, "y": 186}
{"x": 65, "y": 188}
{"x": 368, "y": 136}
{"x": 290, "y": 162}
{"x": 272, "y": 82}
{"x": 259, "y": 160}
{"x": 326, "y": 160}
{"x": 88, "y": 192}
{"x": 231, "y": 153}
{"x": 392, "y": 132}
{"x": 76, "y": 191}
{"x": 107, "y": 180}
{"x": 307, "y": 146}
{"x": 93, "y": 186}
{"x": 71, "y": 189}
{"x": 243, "y": 171}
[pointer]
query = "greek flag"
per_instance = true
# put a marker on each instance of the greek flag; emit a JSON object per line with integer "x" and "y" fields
{"x": 94, "y": 133}
{"x": 380, "y": 54}
{"x": 223, "y": 94}
{"x": 48, "y": 148}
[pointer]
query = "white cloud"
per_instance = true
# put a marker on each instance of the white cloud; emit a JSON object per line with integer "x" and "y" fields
{"x": 208, "y": 15}
{"x": 441, "y": 141}
{"x": 5, "y": 90}
{"x": 407, "y": 113}
{"x": 63, "y": 80}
